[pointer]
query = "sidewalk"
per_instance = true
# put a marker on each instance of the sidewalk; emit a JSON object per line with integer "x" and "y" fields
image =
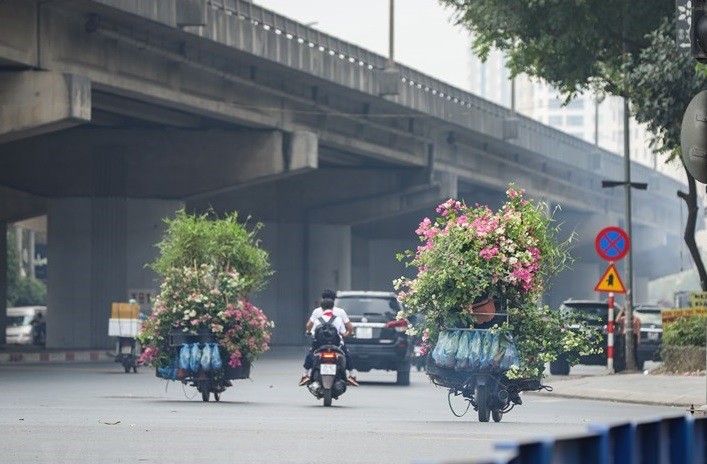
{"x": 634, "y": 387}
{"x": 13, "y": 354}
{"x": 684, "y": 391}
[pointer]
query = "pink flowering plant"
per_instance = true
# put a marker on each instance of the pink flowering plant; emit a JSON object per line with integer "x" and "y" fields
{"x": 208, "y": 267}
{"x": 470, "y": 254}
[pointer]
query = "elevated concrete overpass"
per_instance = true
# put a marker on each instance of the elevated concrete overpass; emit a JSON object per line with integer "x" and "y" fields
{"x": 115, "y": 113}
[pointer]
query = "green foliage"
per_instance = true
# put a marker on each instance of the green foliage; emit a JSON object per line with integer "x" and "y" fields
{"x": 686, "y": 331}
{"x": 209, "y": 266}
{"x": 541, "y": 336}
{"x": 205, "y": 298}
{"x": 13, "y": 269}
{"x": 572, "y": 44}
{"x": 662, "y": 82}
{"x": 193, "y": 240}
{"x": 30, "y": 291}
{"x": 469, "y": 254}
{"x": 26, "y": 291}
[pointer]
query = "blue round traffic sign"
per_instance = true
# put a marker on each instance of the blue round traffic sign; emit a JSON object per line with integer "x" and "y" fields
{"x": 612, "y": 243}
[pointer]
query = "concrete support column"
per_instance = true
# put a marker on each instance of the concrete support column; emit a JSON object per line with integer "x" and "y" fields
{"x": 3, "y": 281}
{"x": 329, "y": 257}
{"x": 282, "y": 298}
{"x": 98, "y": 251}
{"x": 375, "y": 265}
{"x": 307, "y": 260}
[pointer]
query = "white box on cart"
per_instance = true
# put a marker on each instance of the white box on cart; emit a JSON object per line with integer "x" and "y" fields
{"x": 124, "y": 327}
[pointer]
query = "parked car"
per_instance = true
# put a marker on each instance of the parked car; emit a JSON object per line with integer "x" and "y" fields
{"x": 596, "y": 314}
{"x": 651, "y": 332}
{"x": 20, "y": 330}
{"x": 379, "y": 340}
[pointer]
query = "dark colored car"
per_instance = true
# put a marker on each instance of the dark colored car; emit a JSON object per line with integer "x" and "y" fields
{"x": 596, "y": 314}
{"x": 651, "y": 332}
{"x": 379, "y": 340}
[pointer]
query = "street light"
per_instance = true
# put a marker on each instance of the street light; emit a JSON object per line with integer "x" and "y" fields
{"x": 628, "y": 325}
{"x": 617, "y": 183}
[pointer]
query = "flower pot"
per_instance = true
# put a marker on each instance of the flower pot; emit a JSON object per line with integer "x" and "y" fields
{"x": 238, "y": 372}
{"x": 483, "y": 312}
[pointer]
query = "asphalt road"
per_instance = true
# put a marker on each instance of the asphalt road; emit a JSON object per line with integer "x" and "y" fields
{"x": 94, "y": 412}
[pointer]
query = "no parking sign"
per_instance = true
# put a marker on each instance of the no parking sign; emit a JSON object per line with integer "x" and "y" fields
{"x": 612, "y": 243}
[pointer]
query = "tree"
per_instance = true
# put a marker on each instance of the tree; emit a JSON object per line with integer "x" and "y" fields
{"x": 621, "y": 48}
{"x": 13, "y": 268}
{"x": 662, "y": 82}
{"x": 21, "y": 291}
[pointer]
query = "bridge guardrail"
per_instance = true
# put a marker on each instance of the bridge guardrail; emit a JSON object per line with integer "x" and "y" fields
{"x": 674, "y": 440}
{"x": 459, "y": 99}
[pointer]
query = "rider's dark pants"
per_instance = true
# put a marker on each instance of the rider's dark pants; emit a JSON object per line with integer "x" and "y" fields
{"x": 309, "y": 359}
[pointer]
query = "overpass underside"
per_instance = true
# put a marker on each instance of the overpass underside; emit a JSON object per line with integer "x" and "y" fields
{"x": 113, "y": 119}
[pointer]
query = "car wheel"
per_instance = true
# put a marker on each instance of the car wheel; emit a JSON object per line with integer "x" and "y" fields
{"x": 559, "y": 367}
{"x": 403, "y": 378}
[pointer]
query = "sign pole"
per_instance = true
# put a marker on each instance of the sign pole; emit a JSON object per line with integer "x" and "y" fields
{"x": 610, "y": 335}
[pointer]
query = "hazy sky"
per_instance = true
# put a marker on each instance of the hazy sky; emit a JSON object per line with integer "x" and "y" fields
{"x": 425, "y": 37}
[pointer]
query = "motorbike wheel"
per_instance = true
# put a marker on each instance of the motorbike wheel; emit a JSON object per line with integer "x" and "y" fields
{"x": 482, "y": 402}
{"x": 127, "y": 363}
{"x": 327, "y": 397}
{"x": 204, "y": 386}
{"x": 497, "y": 415}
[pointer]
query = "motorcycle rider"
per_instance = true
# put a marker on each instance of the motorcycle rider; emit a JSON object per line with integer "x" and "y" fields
{"x": 327, "y": 313}
{"x": 38, "y": 328}
{"x": 341, "y": 314}
{"x": 338, "y": 312}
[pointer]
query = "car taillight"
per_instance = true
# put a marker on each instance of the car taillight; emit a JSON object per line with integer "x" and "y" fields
{"x": 400, "y": 325}
{"x": 329, "y": 355}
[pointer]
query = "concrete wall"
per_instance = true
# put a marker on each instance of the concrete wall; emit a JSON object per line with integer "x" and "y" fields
{"x": 282, "y": 299}
{"x": 98, "y": 249}
{"x": 329, "y": 258}
{"x": 3, "y": 281}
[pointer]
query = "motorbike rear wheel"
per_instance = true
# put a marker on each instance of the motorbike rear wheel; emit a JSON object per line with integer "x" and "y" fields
{"x": 327, "y": 397}
{"x": 204, "y": 387}
{"x": 127, "y": 363}
{"x": 482, "y": 402}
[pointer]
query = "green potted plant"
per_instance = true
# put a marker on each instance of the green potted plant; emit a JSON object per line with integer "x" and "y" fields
{"x": 209, "y": 267}
{"x": 469, "y": 255}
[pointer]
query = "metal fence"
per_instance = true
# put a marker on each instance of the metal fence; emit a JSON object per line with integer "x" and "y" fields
{"x": 668, "y": 440}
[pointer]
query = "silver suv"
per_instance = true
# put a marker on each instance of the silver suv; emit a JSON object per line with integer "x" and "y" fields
{"x": 379, "y": 340}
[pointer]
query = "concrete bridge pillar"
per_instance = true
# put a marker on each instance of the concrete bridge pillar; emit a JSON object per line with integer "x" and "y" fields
{"x": 306, "y": 260}
{"x": 98, "y": 250}
{"x": 329, "y": 257}
{"x": 375, "y": 265}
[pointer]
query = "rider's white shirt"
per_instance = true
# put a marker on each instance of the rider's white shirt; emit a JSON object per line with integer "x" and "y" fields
{"x": 338, "y": 312}
{"x": 326, "y": 315}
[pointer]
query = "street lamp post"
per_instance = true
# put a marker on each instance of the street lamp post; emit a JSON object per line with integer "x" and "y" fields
{"x": 391, "y": 35}
{"x": 628, "y": 185}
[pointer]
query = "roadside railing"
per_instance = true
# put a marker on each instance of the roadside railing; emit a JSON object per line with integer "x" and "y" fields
{"x": 668, "y": 440}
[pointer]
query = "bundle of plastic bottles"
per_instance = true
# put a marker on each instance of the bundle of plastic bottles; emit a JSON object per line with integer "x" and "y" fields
{"x": 475, "y": 350}
{"x": 191, "y": 358}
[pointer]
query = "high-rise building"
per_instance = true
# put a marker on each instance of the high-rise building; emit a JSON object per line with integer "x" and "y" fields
{"x": 585, "y": 117}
